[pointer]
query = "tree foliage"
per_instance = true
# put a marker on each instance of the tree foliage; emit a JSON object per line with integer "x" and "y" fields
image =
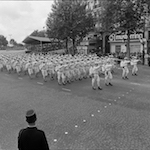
{"x": 69, "y": 20}
{"x": 13, "y": 42}
{"x": 41, "y": 33}
{"x": 3, "y": 41}
{"x": 126, "y": 16}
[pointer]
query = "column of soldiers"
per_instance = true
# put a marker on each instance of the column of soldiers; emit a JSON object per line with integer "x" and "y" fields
{"x": 66, "y": 68}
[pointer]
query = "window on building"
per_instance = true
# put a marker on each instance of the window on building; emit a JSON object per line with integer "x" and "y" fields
{"x": 118, "y": 48}
{"x": 135, "y": 48}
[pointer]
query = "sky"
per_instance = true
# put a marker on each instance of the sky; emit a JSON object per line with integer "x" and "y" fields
{"x": 18, "y": 19}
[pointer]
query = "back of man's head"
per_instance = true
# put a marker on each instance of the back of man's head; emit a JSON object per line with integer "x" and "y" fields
{"x": 31, "y": 116}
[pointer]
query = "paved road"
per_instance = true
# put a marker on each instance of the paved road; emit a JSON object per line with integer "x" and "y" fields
{"x": 74, "y": 116}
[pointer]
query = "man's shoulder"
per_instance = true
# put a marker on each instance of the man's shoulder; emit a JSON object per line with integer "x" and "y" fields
{"x": 40, "y": 131}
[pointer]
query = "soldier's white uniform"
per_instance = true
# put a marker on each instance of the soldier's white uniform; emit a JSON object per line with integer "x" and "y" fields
{"x": 95, "y": 76}
{"x": 44, "y": 71}
{"x": 30, "y": 69}
{"x": 108, "y": 75}
{"x": 59, "y": 73}
{"x": 125, "y": 71}
{"x": 18, "y": 67}
{"x": 134, "y": 62}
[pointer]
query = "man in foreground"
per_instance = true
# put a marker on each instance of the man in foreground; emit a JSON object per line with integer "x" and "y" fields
{"x": 32, "y": 138}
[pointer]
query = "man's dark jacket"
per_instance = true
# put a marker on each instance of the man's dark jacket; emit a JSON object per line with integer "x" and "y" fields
{"x": 32, "y": 139}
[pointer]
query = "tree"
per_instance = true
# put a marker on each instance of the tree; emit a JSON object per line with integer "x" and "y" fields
{"x": 125, "y": 15}
{"x": 69, "y": 20}
{"x": 3, "y": 41}
{"x": 41, "y": 33}
{"x": 13, "y": 42}
{"x": 34, "y": 33}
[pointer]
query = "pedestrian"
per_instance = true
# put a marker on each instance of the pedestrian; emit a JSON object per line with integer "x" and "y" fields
{"x": 32, "y": 138}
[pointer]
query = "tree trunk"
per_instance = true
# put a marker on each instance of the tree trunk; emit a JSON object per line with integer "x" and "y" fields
{"x": 104, "y": 44}
{"x": 66, "y": 40}
{"x": 73, "y": 42}
{"x": 128, "y": 44}
{"x": 143, "y": 54}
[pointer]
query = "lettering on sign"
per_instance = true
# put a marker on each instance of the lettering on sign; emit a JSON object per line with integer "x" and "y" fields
{"x": 114, "y": 37}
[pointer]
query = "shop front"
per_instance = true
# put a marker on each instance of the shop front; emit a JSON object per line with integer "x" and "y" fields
{"x": 118, "y": 43}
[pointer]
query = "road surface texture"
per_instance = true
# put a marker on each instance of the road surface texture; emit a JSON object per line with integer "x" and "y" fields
{"x": 75, "y": 117}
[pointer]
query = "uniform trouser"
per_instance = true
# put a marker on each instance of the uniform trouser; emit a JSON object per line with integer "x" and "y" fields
{"x": 68, "y": 75}
{"x": 18, "y": 69}
{"x": 50, "y": 73}
{"x": 134, "y": 69}
{"x": 76, "y": 74}
{"x": 8, "y": 67}
{"x": 87, "y": 72}
{"x": 83, "y": 72}
{"x": 44, "y": 73}
{"x": 72, "y": 73}
{"x": 96, "y": 79}
{"x": 36, "y": 70}
{"x": 1, "y": 66}
{"x": 61, "y": 77}
{"x": 108, "y": 76}
{"x": 125, "y": 72}
{"x": 30, "y": 71}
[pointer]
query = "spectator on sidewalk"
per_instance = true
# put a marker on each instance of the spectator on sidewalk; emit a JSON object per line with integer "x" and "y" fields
{"x": 32, "y": 138}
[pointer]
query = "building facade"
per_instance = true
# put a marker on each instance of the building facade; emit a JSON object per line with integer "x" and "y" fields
{"x": 118, "y": 43}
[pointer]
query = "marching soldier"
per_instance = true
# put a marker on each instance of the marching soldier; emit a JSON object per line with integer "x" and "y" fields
{"x": 108, "y": 75}
{"x": 125, "y": 71}
{"x": 134, "y": 62}
{"x": 95, "y": 76}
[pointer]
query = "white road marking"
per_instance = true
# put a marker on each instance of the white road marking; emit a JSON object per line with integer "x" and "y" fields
{"x": 76, "y": 126}
{"x": 40, "y": 83}
{"x": 66, "y": 89}
{"x": 55, "y": 140}
{"x": 135, "y": 83}
{"x": 20, "y": 78}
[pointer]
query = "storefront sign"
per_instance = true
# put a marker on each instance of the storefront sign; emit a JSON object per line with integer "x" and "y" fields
{"x": 114, "y": 37}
